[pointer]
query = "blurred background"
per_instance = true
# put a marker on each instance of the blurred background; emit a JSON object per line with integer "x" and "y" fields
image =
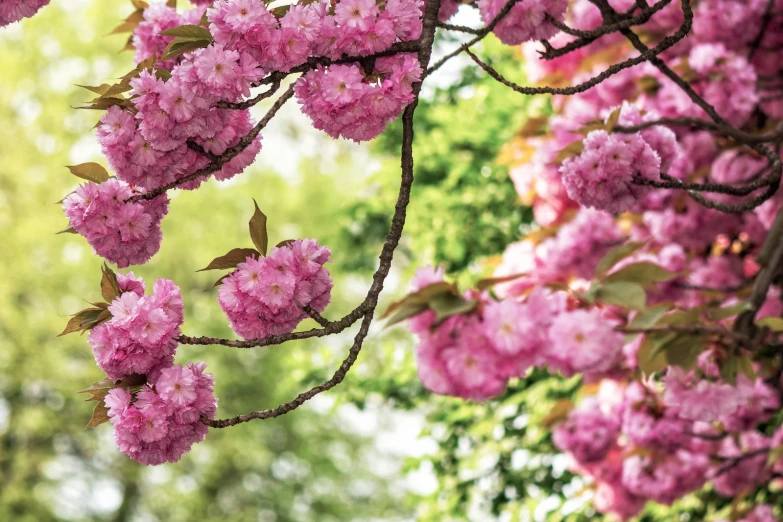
{"x": 377, "y": 448}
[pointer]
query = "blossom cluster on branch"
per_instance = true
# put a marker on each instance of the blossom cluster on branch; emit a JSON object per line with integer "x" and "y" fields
{"x": 654, "y": 269}
{"x": 14, "y": 10}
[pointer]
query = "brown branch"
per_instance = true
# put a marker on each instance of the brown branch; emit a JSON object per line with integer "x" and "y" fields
{"x": 771, "y": 259}
{"x": 588, "y": 37}
{"x": 459, "y": 28}
{"x": 367, "y": 308}
{"x": 316, "y": 316}
{"x": 227, "y": 156}
{"x": 732, "y": 462}
{"x": 252, "y": 101}
{"x": 765, "y": 21}
{"x": 740, "y": 136}
{"x": 716, "y": 188}
{"x": 480, "y": 36}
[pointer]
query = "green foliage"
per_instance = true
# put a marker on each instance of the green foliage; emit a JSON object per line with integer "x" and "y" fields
{"x": 463, "y": 205}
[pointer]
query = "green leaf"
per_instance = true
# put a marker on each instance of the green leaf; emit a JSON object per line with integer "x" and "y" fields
{"x": 90, "y": 171}
{"x": 534, "y": 127}
{"x": 719, "y": 314}
{"x": 483, "y": 284}
{"x": 446, "y": 305}
{"x": 68, "y": 230}
{"x": 570, "y": 151}
{"x": 774, "y": 454}
{"x": 421, "y": 297}
{"x": 614, "y": 117}
{"x": 649, "y": 357}
{"x": 649, "y": 316}
{"x": 100, "y": 389}
{"x": 194, "y": 32}
{"x": 643, "y": 273}
{"x": 745, "y": 367}
{"x": 616, "y": 255}
{"x": 728, "y": 370}
{"x": 621, "y": 293}
{"x": 110, "y": 287}
{"x": 232, "y": 259}
{"x": 404, "y": 312}
{"x": 220, "y": 281}
{"x": 178, "y": 47}
{"x": 99, "y": 90}
{"x": 683, "y": 350}
{"x": 100, "y": 414}
{"x": 258, "y": 230}
{"x": 86, "y": 320}
{"x": 280, "y": 12}
{"x": 773, "y": 323}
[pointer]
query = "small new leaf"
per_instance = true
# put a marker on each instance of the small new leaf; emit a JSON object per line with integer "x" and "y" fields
{"x": 232, "y": 259}
{"x": 643, "y": 273}
{"x": 194, "y": 32}
{"x": 181, "y": 46}
{"x": 90, "y": 171}
{"x": 447, "y": 304}
{"x": 483, "y": 284}
{"x": 773, "y": 323}
{"x": 110, "y": 287}
{"x": 683, "y": 350}
{"x": 611, "y": 122}
{"x": 649, "y": 357}
{"x": 100, "y": 389}
{"x": 69, "y": 230}
{"x": 258, "y": 230}
{"x": 421, "y": 297}
{"x": 86, "y": 320}
{"x": 616, "y": 255}
{"x": 718, "y": 314}
{"x": 621, "y": 293}
{"x": 570, "y": 151}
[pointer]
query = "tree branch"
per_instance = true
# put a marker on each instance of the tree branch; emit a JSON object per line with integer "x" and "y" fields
{"x": 367, "y": 307}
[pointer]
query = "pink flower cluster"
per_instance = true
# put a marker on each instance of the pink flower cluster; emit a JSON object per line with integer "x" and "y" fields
{"x": 344, "y": 101}
{"x": 722, "y": 77}
{"x": 150, "y": 149}
{"x": 588, "y": 434}
{"x": 162, "y": 421}
{"x": 699, "y": 399}
{"x": 124, "y": 233}
{"x": 14, "y": 10}
{"x": 602, "y": 176}
{"x": 142, "y": 332}
{"x": 347, "y": 27}
{"x": 526, "y": 21}
{"x": 641, "y": 449}
{"x": 148, "y": 39}
{"x": 573, "y": 252}
{"x": 266, "y": 296}
{"x": 472, "y": 356}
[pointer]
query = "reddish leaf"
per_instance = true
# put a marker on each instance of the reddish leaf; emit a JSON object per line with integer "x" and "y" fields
{"x": 232, "y": 259}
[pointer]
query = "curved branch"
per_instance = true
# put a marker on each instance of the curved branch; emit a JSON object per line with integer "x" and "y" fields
{"x": 227, "y": 156}
{"x": 588, "y": 37}
{"x": 367, "y": 308}
{"x": 480, "y": 36}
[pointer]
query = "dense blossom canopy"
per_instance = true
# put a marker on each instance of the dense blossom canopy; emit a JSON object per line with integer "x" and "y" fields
{"x": 653, "y": 271}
